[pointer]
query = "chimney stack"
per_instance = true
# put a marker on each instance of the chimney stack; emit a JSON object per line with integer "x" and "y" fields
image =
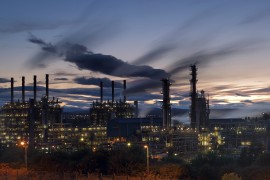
{"x": 12, "y": 90}
{"x": 166, "y": 106}
{"x": 101, "y": 91}
{"x": 193, "y": 94}
{"x": 112, "y": 91}
{"x": 136, "y": 109}
{"x": 47, "y": 86}
{"x": 35, "y": 88}
{"x": 23, "y": 89}
{"x": 125, "y": 87}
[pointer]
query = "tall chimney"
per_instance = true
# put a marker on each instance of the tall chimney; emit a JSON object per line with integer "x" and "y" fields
{"x": 35, "y": 88}
{"x": 166, "y": 105}
{"x": 23, "y": 89}
{"x": 125, "y": 87}
{"x": 12, "y": 90}
{"x": 101, "y": 91}
{"x": 47, "y": 86}
{"x": 136, "y": 109}
{"x": 193, "y": 95}
{"x": 112, "y": 91}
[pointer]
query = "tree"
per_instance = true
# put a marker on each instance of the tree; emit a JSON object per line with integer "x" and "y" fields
{"x": 231, "y": 176}
{"x": 263, "y": 160}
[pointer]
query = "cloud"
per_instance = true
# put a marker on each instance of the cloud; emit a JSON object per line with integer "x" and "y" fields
{"x": 204, "y": 57}
{"x": 155, "y": 53}
{"x": 96, "y": 81}
{"x": 60, "y": 79}
{"x": 143, "y": 85}
{"x": 4, "y": 80}
{"x": 256, "y": 17}
{"x": 63, "y": 73}
{"x": 247, "y": 101}
{"x": 174, "y": 40}
{"x": 24, "y": 26}
{"x": 110, "y": 65}
{"x": 259, "y": 90}
{"x": 87, "y": 60}
{"x": 242, "y": 95}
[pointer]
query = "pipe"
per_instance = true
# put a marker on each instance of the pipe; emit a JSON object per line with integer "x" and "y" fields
{"x": 101, "y": 91}
{"x": 112, "y": 91}
{"x": 125, "y": 87}
{"x": 35, "y": 88}
{"x": 136, "y": 109}
{"x": 23, "y": 89}
{"x": 193, "y": 95}
{"x": 47, "y": 86}
{"x": 166, "y": 106}
{"x": 12, "y": 90}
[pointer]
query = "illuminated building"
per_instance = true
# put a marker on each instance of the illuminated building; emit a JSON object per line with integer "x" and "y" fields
{"x": 28, "y": 120}
{"x": 103, "y": 111}
{"x": 200, "y": 111}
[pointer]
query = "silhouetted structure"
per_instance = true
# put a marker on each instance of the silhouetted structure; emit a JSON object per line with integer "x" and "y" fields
{"x": 199, "y": 110}
{"x": 103, "y": 111}
{"x": 28, "y": 120}
{"x": 166, "y": 105}
{"x": 193, "y": 94}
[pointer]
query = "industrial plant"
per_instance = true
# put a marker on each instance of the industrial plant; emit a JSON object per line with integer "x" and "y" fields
{"x": 113, "y": 123}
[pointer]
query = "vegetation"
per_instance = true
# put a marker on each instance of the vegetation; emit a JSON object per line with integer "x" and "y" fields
{"x": 132, "y": 161}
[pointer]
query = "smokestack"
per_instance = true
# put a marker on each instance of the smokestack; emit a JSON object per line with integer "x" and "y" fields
{"x": 166, "y": 106}
{"x": 125, "y": 87}
{"x": 112, "y": 91}
{"x": 136, "y": 109}
{"x": 101, "y": 91}
{"x": 12, "y": 90}
{"x": 23, "y": 89}
{"x": 193, "y": 95}
{"x": 35, "y": 88}
{"x": 47, "y": 86}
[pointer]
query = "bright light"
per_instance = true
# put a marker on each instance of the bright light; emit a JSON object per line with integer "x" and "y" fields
{"x": 22, "y": 143}
{"x": 129, "y": 144}
{"x": 145, "y": 146}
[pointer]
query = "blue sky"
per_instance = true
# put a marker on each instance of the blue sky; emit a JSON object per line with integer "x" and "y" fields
{"x": 229, "y": 41}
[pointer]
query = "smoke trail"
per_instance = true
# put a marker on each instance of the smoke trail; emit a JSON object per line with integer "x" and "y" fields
{"x": 87, "y": 60}
{"x": 175, "y": 39}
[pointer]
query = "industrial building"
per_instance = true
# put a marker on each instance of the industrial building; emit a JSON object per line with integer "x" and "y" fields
{"x": 28, "y": 120}
{"x": 112, "y": 123}
{"x": 103, "y": 111}
{"x": 199, "y": 110}
{"x": 239, "y": 133}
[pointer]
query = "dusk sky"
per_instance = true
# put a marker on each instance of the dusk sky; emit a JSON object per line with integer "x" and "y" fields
{"x": 80, "y": 42}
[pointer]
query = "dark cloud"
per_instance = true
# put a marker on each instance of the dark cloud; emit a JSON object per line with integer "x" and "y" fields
{"x": 247, "y": 101}
{"x": 4, "y": 80}
{"x": 63, "y": 73}
{"x": 86, "y": 60}
{"x": 110, "y": 65}
{"x": 260, "y": 90}
{"x": 205, "y": 57}
{"x": 24, "y": 26}
{"x": 139, "y": 86}
{"x": 256, "y": 17}
{"x": 242, "y": 95}
{"x": 96, "y": 81}
{"x": 60, "y": 79}
{"x": 45, "y": 46}
{"x": 175, "y": 39}
{"x": 82, "y": 91}
{"x": 29, "y": 88}
{"x": 155, "y": 54}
